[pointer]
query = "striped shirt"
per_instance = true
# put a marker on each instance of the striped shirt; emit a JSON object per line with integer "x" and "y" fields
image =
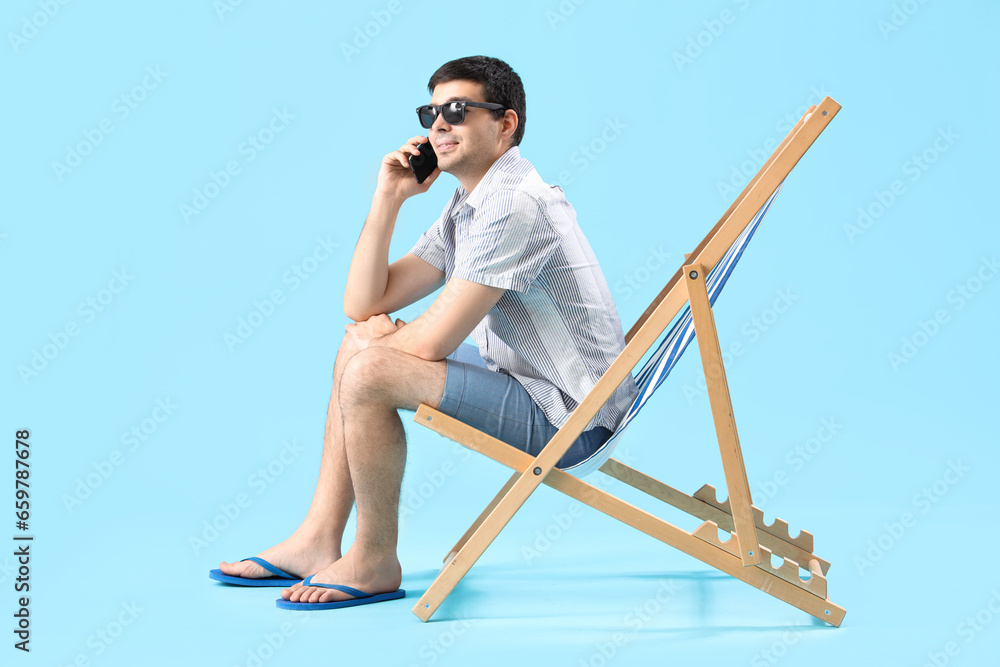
{"x": 555, "y": 330}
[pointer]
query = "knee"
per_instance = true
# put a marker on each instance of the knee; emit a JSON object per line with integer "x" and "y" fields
{"x": 365, "y": 374}
{"x": 348, "y": 348}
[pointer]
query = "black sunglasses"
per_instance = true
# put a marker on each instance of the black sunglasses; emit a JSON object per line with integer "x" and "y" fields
{"x": 453, "y": 112}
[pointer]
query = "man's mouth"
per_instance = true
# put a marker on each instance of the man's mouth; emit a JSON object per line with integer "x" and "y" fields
{"x": 445, "y": 146}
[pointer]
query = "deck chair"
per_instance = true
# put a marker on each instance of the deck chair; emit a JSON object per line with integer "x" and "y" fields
{"x": 746, "y": 553}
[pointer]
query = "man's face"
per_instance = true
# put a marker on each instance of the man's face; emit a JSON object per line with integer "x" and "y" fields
{"x": 472, "y": 145}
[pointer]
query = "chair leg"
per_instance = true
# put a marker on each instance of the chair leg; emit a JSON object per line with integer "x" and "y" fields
{"x": 722, "y": 413}
{"x": 482, "y": 517}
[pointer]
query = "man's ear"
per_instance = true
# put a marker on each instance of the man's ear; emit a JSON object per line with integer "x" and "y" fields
{"x": 510, "y": 119}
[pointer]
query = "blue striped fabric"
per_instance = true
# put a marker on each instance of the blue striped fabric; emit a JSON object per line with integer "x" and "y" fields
{"x": 673, "y": 344}
{"x": 556, "y": 329}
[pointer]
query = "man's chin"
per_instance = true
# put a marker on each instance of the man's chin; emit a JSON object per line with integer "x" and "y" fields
{"x": 447, "y": 166}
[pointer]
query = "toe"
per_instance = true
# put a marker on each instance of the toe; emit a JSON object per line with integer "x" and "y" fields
{"x": 333, "y": 596}
{"x": 235, "y": 569}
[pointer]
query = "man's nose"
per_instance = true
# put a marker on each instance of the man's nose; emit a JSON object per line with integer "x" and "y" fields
{"x": 440, "y": 124}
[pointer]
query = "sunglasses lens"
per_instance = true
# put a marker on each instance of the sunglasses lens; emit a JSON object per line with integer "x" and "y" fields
{"x": 453, "y": 112}
{"x": 427, "y": 116}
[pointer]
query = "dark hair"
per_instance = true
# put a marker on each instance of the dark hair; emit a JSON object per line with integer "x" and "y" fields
{"x": 501, "y": 85}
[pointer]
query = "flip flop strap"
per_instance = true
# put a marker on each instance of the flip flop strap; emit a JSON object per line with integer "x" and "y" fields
{"x": 338, "y": 587}
{"x": 271, "y": 568}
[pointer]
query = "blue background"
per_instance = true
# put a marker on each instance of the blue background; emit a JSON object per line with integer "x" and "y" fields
{"x": 117, "y": 534}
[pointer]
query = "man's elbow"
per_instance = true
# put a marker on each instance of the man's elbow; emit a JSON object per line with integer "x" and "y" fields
{"x": 352, "y": 314}
{"x": 355, "y": 311}
{"x": 428, "y": 349}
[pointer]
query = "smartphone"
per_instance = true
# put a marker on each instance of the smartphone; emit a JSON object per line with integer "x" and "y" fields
{"x": 422, "y": 165}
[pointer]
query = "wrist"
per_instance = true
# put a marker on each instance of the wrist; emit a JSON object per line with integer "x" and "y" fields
{"x": 387, "y": 201}
{"x": 380, "y": 341}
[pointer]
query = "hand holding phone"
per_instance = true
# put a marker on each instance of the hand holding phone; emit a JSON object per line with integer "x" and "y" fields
{"x": 397, "y": 177}
{"x": 423, "y": 164}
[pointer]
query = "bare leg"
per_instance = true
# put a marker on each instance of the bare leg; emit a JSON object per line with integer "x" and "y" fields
{"x": 377, "y": 382}
{"x": 317, "y": 541}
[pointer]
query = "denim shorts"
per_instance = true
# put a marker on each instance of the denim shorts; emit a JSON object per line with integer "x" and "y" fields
{"x": 497, "y": 404}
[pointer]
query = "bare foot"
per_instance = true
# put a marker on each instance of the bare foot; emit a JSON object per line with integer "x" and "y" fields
{"x": 297, "y": 556}
{"x": 369, "y": 574}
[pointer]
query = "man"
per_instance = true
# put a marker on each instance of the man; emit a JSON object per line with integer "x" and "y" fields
{"x": 517, "y": 274}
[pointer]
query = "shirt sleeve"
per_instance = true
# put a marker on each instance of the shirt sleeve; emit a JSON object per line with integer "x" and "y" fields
{"x": 430, "y": 246}
{"x": 508, "y": 241}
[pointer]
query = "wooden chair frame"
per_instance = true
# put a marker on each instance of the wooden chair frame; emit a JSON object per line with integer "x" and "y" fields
{"x": 748, "y": 556}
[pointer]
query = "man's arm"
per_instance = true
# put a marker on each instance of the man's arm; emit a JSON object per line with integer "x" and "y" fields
{"x": 410, "y": 280}
{"x": 442, "y": 327}
{"x": 371, "y": 285}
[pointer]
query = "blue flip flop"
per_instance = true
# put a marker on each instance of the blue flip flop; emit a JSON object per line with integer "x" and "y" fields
{"x": 360, "y": 597}
{"x": 280, "y": 578}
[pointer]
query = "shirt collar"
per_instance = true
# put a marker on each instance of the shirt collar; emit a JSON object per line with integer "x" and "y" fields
{"x": 484, "y": 186}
